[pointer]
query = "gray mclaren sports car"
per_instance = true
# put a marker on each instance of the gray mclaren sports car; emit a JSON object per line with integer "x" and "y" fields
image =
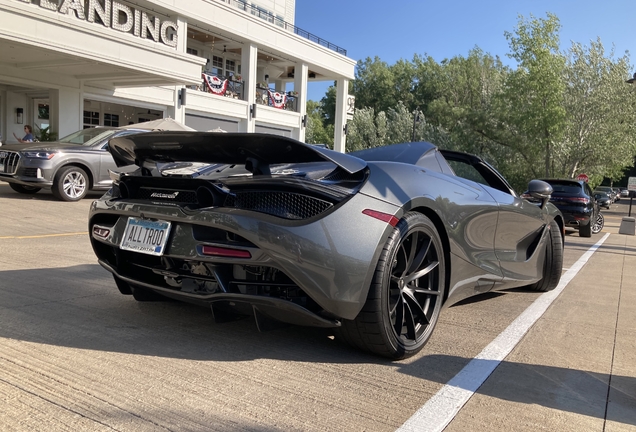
{"x": 372, "y": 243}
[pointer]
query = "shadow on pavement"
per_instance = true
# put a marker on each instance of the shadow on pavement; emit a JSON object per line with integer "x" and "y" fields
{"x": 571, "y": 390}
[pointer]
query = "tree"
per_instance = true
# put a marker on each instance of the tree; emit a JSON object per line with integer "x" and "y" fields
{"x": 532, "y": 100}
{"x": 317, "y": 132}
{"x": 599, "y": 133}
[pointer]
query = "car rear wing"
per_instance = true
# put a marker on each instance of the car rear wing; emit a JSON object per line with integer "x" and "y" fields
{"x": 256, "y": 151}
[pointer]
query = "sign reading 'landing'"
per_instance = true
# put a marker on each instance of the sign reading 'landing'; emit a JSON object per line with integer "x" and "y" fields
{"x": 118, "y": 16}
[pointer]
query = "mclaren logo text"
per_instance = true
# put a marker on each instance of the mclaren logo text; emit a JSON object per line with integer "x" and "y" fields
{"x": 172, "y": 195}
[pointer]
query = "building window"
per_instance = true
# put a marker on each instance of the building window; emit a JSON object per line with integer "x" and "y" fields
{"x": 91, "y": 119}
{"x": 217, "y": 65}
{"x": 192, "y": 51}
{"x": 111, "y": 120}
{"x": 230, "y": 67}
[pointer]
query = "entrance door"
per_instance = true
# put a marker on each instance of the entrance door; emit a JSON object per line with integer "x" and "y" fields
{"x": 41, "y": 122}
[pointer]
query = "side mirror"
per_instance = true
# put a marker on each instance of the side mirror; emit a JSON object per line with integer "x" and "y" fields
{"x": 540, "y": 190}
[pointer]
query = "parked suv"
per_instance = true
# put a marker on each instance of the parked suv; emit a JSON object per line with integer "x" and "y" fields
{"x": 577, "y": 204}
{"x": 69, "y": 167}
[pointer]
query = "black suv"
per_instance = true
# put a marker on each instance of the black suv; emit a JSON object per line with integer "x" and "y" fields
{"x": 576, "y": 201}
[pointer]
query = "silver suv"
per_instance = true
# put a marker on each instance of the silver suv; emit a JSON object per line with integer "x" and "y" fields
{"x": 69, "y": 167}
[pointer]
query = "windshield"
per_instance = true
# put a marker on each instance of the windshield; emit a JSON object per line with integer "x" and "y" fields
{"x": 88, "y": 137}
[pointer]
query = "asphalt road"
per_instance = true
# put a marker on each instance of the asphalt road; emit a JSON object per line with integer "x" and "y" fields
{"x": 75, "y": 355}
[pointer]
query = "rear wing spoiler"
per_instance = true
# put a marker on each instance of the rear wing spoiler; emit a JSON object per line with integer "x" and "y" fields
{"x": 256, "y": 151}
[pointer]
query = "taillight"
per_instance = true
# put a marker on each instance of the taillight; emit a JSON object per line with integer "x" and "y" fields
{"x": 100, "y": 232}
{"x": 578, "y": 200}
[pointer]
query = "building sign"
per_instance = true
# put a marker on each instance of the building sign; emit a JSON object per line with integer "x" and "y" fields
{"x": 351, "y": 106}
{"x": 117, "y": 16}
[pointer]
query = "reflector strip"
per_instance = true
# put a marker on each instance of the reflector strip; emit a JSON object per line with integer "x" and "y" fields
{"x": 384, "y": 217}
{"x": 225, "y": 252}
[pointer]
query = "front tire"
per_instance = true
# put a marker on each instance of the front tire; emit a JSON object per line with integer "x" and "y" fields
{"x": 70, "y": 184}
{"x": 553, "y": 263}
{"x": 27, "y": 190}
{"x": 405, "y": 297}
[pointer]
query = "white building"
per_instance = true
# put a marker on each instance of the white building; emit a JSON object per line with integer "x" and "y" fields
{"x": 70, "y": 64}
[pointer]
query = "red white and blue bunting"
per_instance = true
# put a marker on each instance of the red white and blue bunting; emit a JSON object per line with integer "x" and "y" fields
{"x": 277, "y": 99}
{"x": 215, "y": 84}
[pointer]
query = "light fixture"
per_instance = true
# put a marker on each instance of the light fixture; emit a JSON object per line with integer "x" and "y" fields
{"x": 224, "y": 50}
{"x": 19, "y": 112}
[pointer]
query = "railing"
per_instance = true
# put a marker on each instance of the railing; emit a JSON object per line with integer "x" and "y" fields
{"x": 232, "y": 87}
{"x": 221, "y": 85}
{"x": 267, "y": 16}
{"x": 266, "y": 96}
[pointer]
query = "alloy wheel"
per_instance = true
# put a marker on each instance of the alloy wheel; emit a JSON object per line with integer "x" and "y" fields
{"x": 74, "y": 184}
{"x": 414, "y": 287}
{"x": 598, "y": 224}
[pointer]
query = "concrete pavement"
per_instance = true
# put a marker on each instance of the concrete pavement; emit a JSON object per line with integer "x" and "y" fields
{"x": 575, "y": 370}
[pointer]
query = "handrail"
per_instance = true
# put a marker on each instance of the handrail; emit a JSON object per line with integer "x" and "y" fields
{"x": 267, "y": 16}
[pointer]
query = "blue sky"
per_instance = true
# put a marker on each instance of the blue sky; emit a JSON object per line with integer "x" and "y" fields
{"x": 393, "y": 30}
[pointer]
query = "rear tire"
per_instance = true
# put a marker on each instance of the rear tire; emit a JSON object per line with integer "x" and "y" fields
{"x": 405, "y": 297}
{"x": 586, "y": 230}
{"x": 553, "y": 264}
{"x": 27, "y": 190}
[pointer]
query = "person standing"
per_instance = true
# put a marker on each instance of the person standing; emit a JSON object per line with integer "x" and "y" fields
{"x": 28, "y": 137}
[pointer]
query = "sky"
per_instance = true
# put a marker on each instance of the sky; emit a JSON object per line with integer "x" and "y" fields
{"x": 394, "y": 30}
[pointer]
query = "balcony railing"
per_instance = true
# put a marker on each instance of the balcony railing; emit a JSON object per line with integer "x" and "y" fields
{"x": 220, "y": 85}
{"x": 233, "y": 86}
{"x": 281, "y": 100}
{"x": 267, "y": 16}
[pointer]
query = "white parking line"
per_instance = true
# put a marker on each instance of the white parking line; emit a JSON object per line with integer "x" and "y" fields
{"x": 440, "y": 410}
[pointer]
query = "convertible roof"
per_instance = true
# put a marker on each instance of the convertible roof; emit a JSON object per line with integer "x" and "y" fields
{"x": 257, "y": 150}
{"x": 410, "y": 153}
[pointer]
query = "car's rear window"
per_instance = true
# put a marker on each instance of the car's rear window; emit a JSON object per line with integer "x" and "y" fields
{"x": 566, "y": 188}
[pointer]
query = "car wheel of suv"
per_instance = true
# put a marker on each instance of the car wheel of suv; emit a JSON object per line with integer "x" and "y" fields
{"x": 598, "y": 224}
{"x": 24, "y": 189}
{"x": 586, "y": 230}
{"x": 70, "y": 184}
{"x": 553, "y": 264}
{"x": 405, "y": 297}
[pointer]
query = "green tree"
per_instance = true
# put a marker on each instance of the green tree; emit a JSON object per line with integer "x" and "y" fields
{"x": 317, "y": 132}
{"x": 599, "y": 133}
{"x": 532, "y": 99}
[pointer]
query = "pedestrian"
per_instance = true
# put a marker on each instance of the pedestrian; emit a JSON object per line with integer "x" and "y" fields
{"x": 28, "y": 137}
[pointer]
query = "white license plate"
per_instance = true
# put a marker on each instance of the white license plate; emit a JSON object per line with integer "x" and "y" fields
{"x": 1, "y": 167}
{"x": 145, "y": 236}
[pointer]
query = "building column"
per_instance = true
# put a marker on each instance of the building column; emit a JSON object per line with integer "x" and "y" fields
{"x": 66, "y": 110}
{"x": 249, "y": 59}
{"x": 177, "y": 110}
{"x": 301, "y": 71}
{"x": 339, "y": 136}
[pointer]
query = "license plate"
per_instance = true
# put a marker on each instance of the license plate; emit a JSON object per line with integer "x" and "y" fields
{"x": 145, "y": 236}
{"x": 1, "y": 167}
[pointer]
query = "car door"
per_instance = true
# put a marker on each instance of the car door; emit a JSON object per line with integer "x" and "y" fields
{"x": 520, "y": 225}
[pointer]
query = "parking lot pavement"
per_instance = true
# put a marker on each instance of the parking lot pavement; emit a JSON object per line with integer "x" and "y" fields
{"x": 77, "y": 355}
{"x": 575, "y": 369}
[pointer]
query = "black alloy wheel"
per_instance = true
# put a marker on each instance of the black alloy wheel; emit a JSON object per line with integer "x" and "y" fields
{"x": 406, "y": 295}
{"x": 23, "y": 189}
